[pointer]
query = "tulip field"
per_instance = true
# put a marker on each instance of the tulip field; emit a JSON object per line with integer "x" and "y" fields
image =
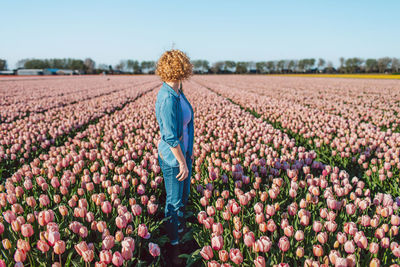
{"x": 288, "y": 171}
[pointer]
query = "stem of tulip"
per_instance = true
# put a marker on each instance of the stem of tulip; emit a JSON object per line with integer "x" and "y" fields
{"x": 139, "y": 251}
{"x": 283, "y": 253}
{"x": 59, "y": 257}
{"x": 30, "y": 259}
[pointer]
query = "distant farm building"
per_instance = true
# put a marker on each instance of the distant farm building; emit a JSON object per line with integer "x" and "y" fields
{"x": 6, "y": 72}
{"x": 29, "y": 72}
{"x": 59, "y": 72}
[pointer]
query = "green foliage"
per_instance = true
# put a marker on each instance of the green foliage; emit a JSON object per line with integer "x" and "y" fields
{"x": 242, "y": 67}
{"x": 200, "y": 66}
{"x": 53, "y": 63}
{"x": 3, "y": 64}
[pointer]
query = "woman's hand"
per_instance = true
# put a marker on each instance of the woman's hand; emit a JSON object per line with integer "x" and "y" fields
{"x": 183, "y": 172}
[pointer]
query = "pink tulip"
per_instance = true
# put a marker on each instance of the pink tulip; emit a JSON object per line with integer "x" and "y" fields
{"x": 19, "y": 255}
{"x": 152, "y": 208}
{"x": 42, "y": 246}
{"x": 53, "y": 237}
{"x": 236, "y": 256}
{"x": 270, "y": 210}
{"x": 317, "y": 226}
{"x": 136, "y": 210}
{"x": 213, "y": 263}
{"x": 81, "y": 247}
{"x": 299, "y": 235}
{"x": 210, "y": 211}
{"x": 349, "y": 247}
{"x": 26, "y": 230}
{"x": 249, "y": 239}
{"x": 373, "y": 248}
{"x": 217, "y": 228}
{"x": 258, "y": 208}
{"x": 223, "y": 255}
{"x": 142, "y": 231}
{"x": 23, "y": 245}
{"x": 59, "y": 247}
{"x": 201, "y": 216}
{"x": 121, "y": 222}
{"x": 259, "y": 262}
{"x": 341, "y": 262}
{"x": 108, "y": 243}
{"x": 106, "y": 207}
{"x": 217, "y": 242}
{"x": 284, "y": 244}
{"x": 207, "y": 253}
{"x": 318, "y": 250}
{"x": 154, "y": 249}
{"x": 106, "y": 256}
{"x": 117, "y": 259}
{"x": 234, "y": 208}
{"x": 126, "y": 253}
{"x": 1, "y": 228}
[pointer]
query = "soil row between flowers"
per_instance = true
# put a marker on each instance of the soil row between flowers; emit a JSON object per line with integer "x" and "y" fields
{"x": 7, "y": 168}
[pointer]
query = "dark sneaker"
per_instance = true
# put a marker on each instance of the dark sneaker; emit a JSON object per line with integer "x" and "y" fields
{"x": 173, "y": 252}
{"x": 181, "y": 228}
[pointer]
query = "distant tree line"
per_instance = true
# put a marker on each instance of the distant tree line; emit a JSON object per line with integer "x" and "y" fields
{"x": 307, "y": 65}
{"x": 85, "y": 66}
{"x": 3, "y": 64}
{"x": 136, "y": 67}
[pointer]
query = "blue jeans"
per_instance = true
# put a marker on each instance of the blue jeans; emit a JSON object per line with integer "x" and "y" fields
{"x": 177, "y": 197}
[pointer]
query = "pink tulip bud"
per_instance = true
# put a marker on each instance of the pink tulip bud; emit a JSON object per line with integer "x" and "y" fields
{"x": 19, "y": 255}
{"x": 126, "y": 253}
{"x": 106, "y": 256}
{"x": 223, "y": 255}
{"x": 117, "y": 259}
{"x": 349, "y": 247}
{"x": 207, "y": 253}
{"x": 59, "y": 247}
{"x": 108, "y": 242}
{"x": 217, "y": 242}
{"x": 249, "y": 239}
{"x": 26, "y": 230}
{"x": 217, "y": 228}
{"x": 236, "y": 256}
{"x": 318, "y": 250}
{"x": 106, "y": 207}
{"x": 259, "y": 262}
{"x": 142, "y": 231}
{"x": 284, "y": 244}
{"x": 154, "y": 249}
{"x": 299, "y": 235}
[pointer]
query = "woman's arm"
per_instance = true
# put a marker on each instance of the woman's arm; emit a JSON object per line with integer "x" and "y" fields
{"x": 169, "y": 118}
{"x": 183, "y": 169}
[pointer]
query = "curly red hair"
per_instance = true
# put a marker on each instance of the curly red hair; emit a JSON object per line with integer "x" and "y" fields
{"x": 174, "y": 65}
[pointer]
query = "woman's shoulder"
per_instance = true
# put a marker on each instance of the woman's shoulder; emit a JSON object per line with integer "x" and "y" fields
{"x": 164, "y": 98}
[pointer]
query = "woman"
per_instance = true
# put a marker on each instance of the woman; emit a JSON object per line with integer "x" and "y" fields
{"x": 175, "y": 149}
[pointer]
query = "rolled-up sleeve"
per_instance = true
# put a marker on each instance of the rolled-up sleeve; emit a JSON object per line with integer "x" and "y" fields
{"x": 169, "y": 117}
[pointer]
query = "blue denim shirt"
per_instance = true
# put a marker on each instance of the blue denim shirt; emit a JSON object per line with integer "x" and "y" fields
{"x": 170, "y": 120}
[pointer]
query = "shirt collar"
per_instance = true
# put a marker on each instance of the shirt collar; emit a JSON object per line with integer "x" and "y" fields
{"x": 170, "y": 89}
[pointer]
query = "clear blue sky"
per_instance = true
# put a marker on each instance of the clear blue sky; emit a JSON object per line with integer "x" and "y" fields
{"x": 108, "y": 31}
